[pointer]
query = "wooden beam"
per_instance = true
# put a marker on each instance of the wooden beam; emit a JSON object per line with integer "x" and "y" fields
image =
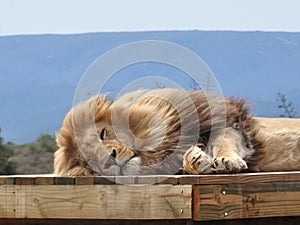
{"x": 261, "y": 221}
{"x": 241, "y": 178}
{"x": 251, "y": 200}
{"x": 96, "y": 222}
{"x": 96, "y": 201}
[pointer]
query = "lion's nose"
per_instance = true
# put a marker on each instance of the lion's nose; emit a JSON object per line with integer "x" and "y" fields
{"x": 113, "y": 153}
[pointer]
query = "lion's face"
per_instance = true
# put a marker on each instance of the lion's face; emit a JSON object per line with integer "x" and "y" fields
{"x": 120, "y": 154}
{"x": 105, "y": 153}
{"x": 88, "y": 144}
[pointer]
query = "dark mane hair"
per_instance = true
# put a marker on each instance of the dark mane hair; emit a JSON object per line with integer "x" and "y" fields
{"x": 238, "y": 116}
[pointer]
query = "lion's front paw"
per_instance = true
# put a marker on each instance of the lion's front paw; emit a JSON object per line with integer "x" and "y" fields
{"x": 196, "y": 161}
{"x": 232, "y": 164}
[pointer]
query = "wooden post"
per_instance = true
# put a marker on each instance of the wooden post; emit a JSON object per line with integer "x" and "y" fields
{"x": 237, "y": 201}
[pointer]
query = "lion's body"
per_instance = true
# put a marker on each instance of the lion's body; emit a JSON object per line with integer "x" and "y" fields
{"x": 281, "y": 144}
{"x": 153, "y": 132}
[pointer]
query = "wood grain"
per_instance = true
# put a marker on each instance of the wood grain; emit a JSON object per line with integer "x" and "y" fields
{"x": 241, "y": 178}
{"x": 64, "y": 180}
{"x": 104, "y": 180}
{"x": 94, "y": 222}
{"x": 261, "y": 221}
{"x": 96, "y": 201}
{"x": 44, "y": 180}
{"x": 24, "y": 180}
{"x": 236, "y": 201}
{"x": 84, "y": 180}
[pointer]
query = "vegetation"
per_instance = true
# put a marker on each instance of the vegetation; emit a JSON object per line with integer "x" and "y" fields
{"x": 32, "y": 158}
{"x": 7, "y": 166}
{"x": 286, "y": 107}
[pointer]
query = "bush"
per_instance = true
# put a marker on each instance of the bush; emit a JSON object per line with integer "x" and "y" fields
{"x": 7, "y": 166}
{"x": 36, "y": 157}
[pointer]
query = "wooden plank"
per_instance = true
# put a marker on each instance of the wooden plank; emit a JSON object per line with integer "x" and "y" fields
{"x": 168, "y": 180}
{"x": 191, "y": 179}
{"x": 236, "y": 201}
{"x": 44, "y": 180}
{"x": 104, "y": 180}
{"x": 96, "y": 222}
{"x": 24, "y": 180}
{"x": 64, "y": 180}
{"x": 39, "y": 179}
{"x": 84, "y": 180}
{"x": 7, "y": 180}
{"x": 125, "y": 179}
{"x": 262, "y": 221}
{"x": 241, "y": 178}
{"x": 96, "y": 201}
{"x": 160, "y": 179}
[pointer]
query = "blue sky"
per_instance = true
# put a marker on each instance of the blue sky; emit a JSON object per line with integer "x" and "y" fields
{"x": 81, "y": 16}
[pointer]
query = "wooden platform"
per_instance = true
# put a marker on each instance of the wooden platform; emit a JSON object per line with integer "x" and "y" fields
{"x": 261, "y": 198}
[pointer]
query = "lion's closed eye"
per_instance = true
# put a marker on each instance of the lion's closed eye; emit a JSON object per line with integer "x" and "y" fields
{"x": 103, "y": 134}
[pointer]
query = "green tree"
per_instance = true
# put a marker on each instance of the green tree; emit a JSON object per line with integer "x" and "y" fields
{"x": 7, "y": 166}
{"x": 46, "y": 143}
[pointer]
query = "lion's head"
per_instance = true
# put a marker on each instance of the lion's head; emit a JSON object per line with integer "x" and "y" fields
{"x": 87, "y": 143}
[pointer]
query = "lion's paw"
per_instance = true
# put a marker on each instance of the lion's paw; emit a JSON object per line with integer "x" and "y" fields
{"x": 233, "y": 164}
{"x": 197, "y": 161}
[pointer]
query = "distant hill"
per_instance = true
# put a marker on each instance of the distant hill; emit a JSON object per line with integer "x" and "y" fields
{"x": 39, "y": 73}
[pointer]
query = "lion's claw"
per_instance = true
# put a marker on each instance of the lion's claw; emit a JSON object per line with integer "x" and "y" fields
{"x": 232, "y": 164}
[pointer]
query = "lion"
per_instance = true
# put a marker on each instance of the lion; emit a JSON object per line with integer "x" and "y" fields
{"x": 168, "y": 131}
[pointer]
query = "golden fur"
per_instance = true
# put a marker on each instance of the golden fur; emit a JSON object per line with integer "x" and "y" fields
{"x": 164, "y": 130}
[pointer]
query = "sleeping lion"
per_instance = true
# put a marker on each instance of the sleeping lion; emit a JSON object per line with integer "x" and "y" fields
{"x": 169, "y": 131}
